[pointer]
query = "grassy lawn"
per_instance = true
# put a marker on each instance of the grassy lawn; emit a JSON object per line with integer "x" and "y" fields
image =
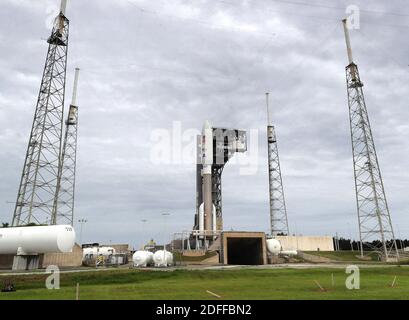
{"x": 230, "y": 284}
{"x": 345, "y": 255}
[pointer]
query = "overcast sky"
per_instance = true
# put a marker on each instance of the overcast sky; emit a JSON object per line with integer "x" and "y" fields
{"x": 150, "y": 66}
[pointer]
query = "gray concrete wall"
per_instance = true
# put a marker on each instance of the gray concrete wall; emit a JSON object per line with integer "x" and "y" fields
{"x": 306, "y": 243}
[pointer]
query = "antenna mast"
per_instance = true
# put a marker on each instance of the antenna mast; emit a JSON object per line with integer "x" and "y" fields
{"x": 64, "y": 199}
{"x": 38, "y": 182}
{"x": 375, "y": 225}
{"x": 278, "y": 209}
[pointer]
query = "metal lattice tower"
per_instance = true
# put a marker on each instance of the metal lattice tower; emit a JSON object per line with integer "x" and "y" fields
{"x": 223, "y": 152}
{"x": 35, "y": 198}
{"x": 375, "y": 225}
{"x": 64, "y": 200}
{"x": 278, "y": 210}
{"x": 217, "y": 171}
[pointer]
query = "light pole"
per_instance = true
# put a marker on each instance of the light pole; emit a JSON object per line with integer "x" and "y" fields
{"x": 164, "y": 236}
{"x": 164, "y": 228}
{"x": 143, "y": 223}
{"x": 81, "y": 221}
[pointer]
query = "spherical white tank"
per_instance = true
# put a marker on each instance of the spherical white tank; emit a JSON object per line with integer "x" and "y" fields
{"x": 163, "y": 258}
{"x": 142, "y": 258}
{"x": 37, "y": 239}
{"x": 274, "y": 246}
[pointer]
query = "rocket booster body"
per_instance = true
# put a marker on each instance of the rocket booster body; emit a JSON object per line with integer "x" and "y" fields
{"x": 207, "y": 148}
{"x": 207, "y": 162}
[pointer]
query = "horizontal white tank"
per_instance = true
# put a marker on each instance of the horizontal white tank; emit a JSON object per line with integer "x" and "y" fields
{"x": 100, "y": 251}
{"x": 163, "y": 258}
{"x": 142, "y": 258}
{"x": 289, "y": 252}
{"x": 37, "y": 239}
{"x": 275, "y": 248}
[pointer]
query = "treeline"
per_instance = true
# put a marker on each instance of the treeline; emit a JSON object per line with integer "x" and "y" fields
{"x": 348, "y": 244}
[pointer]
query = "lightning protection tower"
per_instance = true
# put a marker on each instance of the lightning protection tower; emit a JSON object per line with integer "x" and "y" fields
{"x": 35, "y": 198}
{"x": 64, "y": 198}
{"x": 375, "y": 225}
{"x": 278, "y": 210}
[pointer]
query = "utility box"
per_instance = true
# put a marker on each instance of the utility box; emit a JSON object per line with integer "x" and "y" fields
{"x": 243, "y": 248}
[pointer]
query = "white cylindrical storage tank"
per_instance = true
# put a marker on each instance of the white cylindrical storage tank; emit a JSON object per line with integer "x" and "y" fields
{"x": 169, "y": 258}
{"x": 289, "y": 252}
{"x": 100, "y": 251}
{"x": 87, "y": 252}
{"x": 106, "y": 251}
{"x": 150, "y": 258}
{"x": 142, "y": 258}
{"x": 163, "y": 258}
{"x": 37, "y": 239}
{"x": 274, "y": 246}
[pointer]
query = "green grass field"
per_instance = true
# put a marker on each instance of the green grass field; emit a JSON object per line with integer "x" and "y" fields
{"x": 230, "y": 284}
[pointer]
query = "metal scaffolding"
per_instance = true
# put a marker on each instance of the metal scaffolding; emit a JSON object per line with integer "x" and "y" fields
{"x": 375, "y": 225}
{"x": 64, "y": 199}
{"x": 217, "y": 171}
{"x": 278, "y": 209}
{"x": 226, "y": 142}
{"x": 36, "y": 194}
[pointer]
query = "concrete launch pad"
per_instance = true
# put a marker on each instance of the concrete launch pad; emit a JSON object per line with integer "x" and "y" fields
{"x": 243, "y": 248}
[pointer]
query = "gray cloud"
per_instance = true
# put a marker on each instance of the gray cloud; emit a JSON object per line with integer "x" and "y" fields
{"x": 146, "y": 64}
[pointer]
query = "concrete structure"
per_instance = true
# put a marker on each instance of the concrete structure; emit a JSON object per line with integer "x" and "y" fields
{"x": 306, "y": 243}
{"x": 243, "y": 248}
{"x": 26, "y": 262}
{"x": 71, "y": 259}
{"x": 6, "y": 261}
{"x": 62, "y": 260}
